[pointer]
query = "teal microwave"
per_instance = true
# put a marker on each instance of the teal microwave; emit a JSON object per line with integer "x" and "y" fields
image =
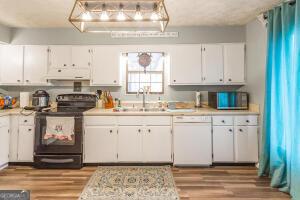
{"x": 228, "y": 100}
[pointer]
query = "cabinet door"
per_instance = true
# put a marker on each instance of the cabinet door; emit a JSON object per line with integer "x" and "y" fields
{"x": 185, "y": 65}
{"x": 11, "y": 63}
{"x": 106, "y": 66}
{"x": 4, "y": 145}
{"x": 234, "y": 63}
{"x": 212, "y": 63}
{"x": 60, "y": 57}
{"x": 35, "y": 65}
{"x": 25, "y": 143}
{"x": 130, "y": 144}
{"x": 100, "y": 144}
{"x": 223, "y": 148}
{"x": 81, "y": 57}
{"x": 246, "y": 144}
{"x": 13, "y": 138}
{"x": 157, "y": 144}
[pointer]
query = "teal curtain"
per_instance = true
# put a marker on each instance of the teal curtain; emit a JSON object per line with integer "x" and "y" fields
{"x": 280, "y": 157}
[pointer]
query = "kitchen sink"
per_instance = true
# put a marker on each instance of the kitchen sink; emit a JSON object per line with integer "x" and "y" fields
{"x": 139, "y": 110}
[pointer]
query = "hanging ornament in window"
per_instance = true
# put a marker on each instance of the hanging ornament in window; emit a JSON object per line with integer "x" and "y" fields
{"x": 144, "y": 60}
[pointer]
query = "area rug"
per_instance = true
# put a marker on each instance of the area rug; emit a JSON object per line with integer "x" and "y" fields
{"x": 131, "y": 183}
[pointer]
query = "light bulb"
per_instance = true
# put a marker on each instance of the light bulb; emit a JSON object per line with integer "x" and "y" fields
{"x": 104, "y": 16}
{"x": 154, "y": 16}
{"x": 121, "y": 16}
{"x": 138, "y": 16}
{"x": 86, "y": 16}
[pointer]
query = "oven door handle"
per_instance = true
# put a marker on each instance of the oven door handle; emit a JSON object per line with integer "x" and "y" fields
{"x": 48, "y": 160}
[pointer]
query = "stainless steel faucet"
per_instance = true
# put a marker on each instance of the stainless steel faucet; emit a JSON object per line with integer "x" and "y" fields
{"x": 144, "y": 97}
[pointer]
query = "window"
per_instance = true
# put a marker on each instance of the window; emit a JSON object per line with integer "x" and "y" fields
{"x": 150, "y": 77}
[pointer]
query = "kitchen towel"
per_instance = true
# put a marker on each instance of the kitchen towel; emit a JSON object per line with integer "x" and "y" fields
{"x": 60, "y": 128}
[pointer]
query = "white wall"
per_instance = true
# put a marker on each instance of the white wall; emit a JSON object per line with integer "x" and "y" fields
{"x": 5, "y": 34}
{"x": 188, "y": 35}
{"x": 256, "y": 42}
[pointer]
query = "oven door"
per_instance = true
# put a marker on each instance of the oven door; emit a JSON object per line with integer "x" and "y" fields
{"x": 58, "y": 145}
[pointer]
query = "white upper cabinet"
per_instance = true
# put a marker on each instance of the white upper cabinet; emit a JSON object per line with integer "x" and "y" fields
{"x": 212, "y": 63}
{"x": 69, "y": 62}
{"x": 11, "y": 65}
{"x": 60, "y": 56}
{"x": 81, "y": 57}
{"x": 185, "y": 65}
{"x": 234, "y": 63}
{"x": 35, "y": 65}
{"x": 106, "y": 66}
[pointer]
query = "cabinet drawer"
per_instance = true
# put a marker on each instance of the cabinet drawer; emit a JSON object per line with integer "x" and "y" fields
{"x": 248, "y": 120}
{"x": 4, "y": 121}
{"x": 222, "y": 120}
{"x": 26, "y": 120}
{"x": 130, "y": 121}
{"x": 158, "y": 121}
{"x": 100, "y": 120}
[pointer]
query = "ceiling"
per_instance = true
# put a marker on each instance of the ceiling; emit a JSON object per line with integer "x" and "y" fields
{"x": 55, "y": 13}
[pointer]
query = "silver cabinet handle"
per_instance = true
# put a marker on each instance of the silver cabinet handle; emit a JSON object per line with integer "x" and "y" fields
{"x": 230, "y": 130}
{"x": 110, "y": 131}
{"x": 241, "y": 130}
{"x": 149, "y": 130}
{"x": 48, "y": 160}
{"x": 139, "y": 130}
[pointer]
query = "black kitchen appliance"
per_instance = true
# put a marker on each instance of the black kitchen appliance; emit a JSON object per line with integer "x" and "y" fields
{"x": 228, "y": 100}
{"x": 40, "y": 99}
{"x": 62, "y": 153}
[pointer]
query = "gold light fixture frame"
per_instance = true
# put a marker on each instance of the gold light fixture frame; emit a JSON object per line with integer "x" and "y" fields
{"x": 93, "y": 9}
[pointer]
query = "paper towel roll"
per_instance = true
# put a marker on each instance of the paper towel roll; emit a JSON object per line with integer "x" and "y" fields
{"x": 24, "y": 99}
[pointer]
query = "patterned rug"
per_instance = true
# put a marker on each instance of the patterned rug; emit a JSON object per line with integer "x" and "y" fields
{"x": 131, "y": 183}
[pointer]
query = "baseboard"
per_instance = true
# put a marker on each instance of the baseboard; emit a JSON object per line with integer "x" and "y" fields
{"x": 127, "y": 164}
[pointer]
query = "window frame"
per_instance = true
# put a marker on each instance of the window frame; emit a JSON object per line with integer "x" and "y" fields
{"x": 162, "y": 72}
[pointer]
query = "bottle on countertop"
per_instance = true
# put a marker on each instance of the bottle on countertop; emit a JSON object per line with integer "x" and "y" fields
{"x": 100, "y": 99}
{"x": 159, "y": 102}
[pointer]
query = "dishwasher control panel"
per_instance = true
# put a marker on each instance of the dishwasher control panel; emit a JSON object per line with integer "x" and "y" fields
{"x": 192, "y": 119}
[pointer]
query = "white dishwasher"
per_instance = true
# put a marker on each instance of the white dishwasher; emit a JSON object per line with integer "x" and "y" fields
{"x": 192, "y": 140}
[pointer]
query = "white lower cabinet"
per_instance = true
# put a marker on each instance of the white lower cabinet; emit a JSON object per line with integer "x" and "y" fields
{"x": 21, "y": 138}
{"x": 127, "y": 139}
{"x": 4, "y": 141}
{"x": 25, "y": 143}
{"x": 130, "y": 144}
{"x": 157, "y": 144}
{"x": 236, "y": 140}
{"x": 223, "y": 144}
{"x": 100, "y": 144}
{"x": 246, "y": 143}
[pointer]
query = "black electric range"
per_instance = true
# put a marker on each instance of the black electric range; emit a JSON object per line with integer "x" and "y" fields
{"x": 53, "y": 147}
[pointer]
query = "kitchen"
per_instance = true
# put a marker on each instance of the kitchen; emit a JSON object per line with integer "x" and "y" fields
{"x": 174, "y": 108}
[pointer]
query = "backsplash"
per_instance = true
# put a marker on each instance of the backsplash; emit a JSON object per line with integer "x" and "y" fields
{"x": 172, "y": 93}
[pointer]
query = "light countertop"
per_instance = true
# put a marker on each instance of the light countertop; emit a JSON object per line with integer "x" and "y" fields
{"x": 199, "y": 111}
{"x": 14, "y": 111}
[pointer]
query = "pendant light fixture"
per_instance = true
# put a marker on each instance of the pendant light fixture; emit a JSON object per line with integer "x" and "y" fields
{"x": 121, "y": 16}
{"x": 104, "y": 16}
{"x": 138, "y": 15}
{"x": 154, "y": 15}
{"x": 107, "y": 16}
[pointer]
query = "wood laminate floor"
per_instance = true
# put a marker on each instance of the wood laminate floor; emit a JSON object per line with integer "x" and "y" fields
{"x": 192, "y": 183}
